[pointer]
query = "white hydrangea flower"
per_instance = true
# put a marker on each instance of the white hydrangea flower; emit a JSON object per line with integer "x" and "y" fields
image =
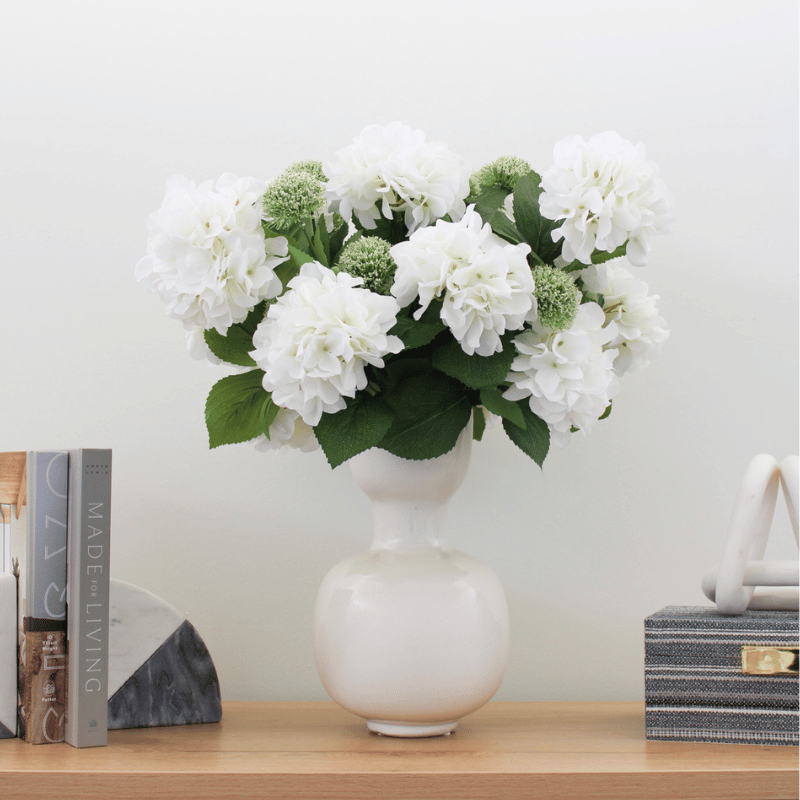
{"x": 568, "y": 376}
{"x": 640, "y": 328}
{"x": 207, "y": 256}
{"x": 485, "y": 283}
{"x": 393, "y": 169}
{"x": 317, "y": 338}
{"x": 197, "y": 347}
{"x": 288, "y": 430}
{"x": 607, "y": 193}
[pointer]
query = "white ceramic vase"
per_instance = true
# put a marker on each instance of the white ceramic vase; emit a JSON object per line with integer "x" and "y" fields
{"x": 411, "y": 635}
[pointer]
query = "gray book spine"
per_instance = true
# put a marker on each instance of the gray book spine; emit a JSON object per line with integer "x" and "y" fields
{"x": 88, "y": 597}
{"x": 47, "y": 479}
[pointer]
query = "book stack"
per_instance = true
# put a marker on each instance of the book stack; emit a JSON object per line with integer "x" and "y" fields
{"x": 64, "y": 599}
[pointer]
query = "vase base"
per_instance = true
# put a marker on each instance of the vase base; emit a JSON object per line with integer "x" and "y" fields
{"x": 411, "y": 729}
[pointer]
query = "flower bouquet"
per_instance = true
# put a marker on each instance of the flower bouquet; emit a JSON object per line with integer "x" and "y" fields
{"x": 386, "y": 298}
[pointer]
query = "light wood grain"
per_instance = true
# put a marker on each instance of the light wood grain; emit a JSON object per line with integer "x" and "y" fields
{"x": 316, "y": 751}
{"x": 12, "y": 479}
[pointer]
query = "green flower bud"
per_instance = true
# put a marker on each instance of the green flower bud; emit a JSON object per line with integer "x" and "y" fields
{"x": 503, "y": 172}
{"x": 557, "y": 297}
{"x": 293, "y": 198}
{"x": 369, "y": 258}
{"x": 311, "y": 167}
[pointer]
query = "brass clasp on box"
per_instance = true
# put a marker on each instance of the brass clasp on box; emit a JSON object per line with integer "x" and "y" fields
{"x": 769, "y": 660}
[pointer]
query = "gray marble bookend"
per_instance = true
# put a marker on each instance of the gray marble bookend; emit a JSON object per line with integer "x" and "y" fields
{"x": 177, "y": 685}
{"x": 160, "y": 671}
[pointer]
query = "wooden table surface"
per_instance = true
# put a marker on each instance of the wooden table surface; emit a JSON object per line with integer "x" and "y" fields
{"x": 316, "y": 751}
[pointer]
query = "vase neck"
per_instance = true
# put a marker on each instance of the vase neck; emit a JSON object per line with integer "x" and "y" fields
{"x": 409, "y": 525}
{"x": 409, "y": 496}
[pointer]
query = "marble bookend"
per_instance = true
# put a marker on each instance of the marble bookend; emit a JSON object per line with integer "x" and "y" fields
{"x": 160, "y": 671}
{"x": 8, "y": 655}
{"x": 177, "y": 685}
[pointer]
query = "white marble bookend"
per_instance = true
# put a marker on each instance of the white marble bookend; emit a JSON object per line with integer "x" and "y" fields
{"x": 8, "y": 655}
{"x": 160, "y": 671}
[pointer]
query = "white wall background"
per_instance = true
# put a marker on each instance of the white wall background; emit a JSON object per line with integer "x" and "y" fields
{"x": 101, "y": 102}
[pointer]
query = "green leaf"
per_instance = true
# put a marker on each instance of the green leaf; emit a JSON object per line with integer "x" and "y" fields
{"x": 298, "y": 257}
{"x": 321, "y": 243}
{"x": 474, "y": 371}
{"x": 392, "y": 230}
{"x": 414, "y": 333}
{"x": 536, "y": 230}
{"x": 489, "y": 202}
{"x": 397, "y": 370}
{"x": 235, "y": 409}
{"x": 268, "y": 414}
{"x": 505, "y": 228}
{"x": 336, "y": 241}
{"x": 478, "y": 423}
{"x": 534, "y": 439}
{"x": 431, "y": 411}
{"x": 606, "y": 413}
{"x": 233, "y": 348}
{"x": 269, "y": 233}
{"x": 255, "y": 316}
{"x": 288, "y": 269}
{"x": 237, "y": 343}
{"x": 359, "y": 426}
{"x": 599, "y": 257}
{"x": 493, "y": 400}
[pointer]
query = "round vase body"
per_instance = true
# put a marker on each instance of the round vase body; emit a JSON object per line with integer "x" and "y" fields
{"x": 411, "y": 635}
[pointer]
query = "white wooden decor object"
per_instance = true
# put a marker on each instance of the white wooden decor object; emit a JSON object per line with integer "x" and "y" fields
{"x": 732, "y": 586}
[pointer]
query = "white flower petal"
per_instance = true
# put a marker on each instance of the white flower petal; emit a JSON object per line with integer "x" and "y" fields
{"x": 639, "y": 330}
{"x": 392, "y": 169}
{"x": 317, "y": 339}
{"x": 570, "y": 380}
{"x": 207, "y": 257}
{"x": 607, "y": 193}
{"x": 485, "y": 284}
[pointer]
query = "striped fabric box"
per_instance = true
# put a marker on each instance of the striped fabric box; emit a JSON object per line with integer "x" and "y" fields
{"x": 698, "y": 689}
